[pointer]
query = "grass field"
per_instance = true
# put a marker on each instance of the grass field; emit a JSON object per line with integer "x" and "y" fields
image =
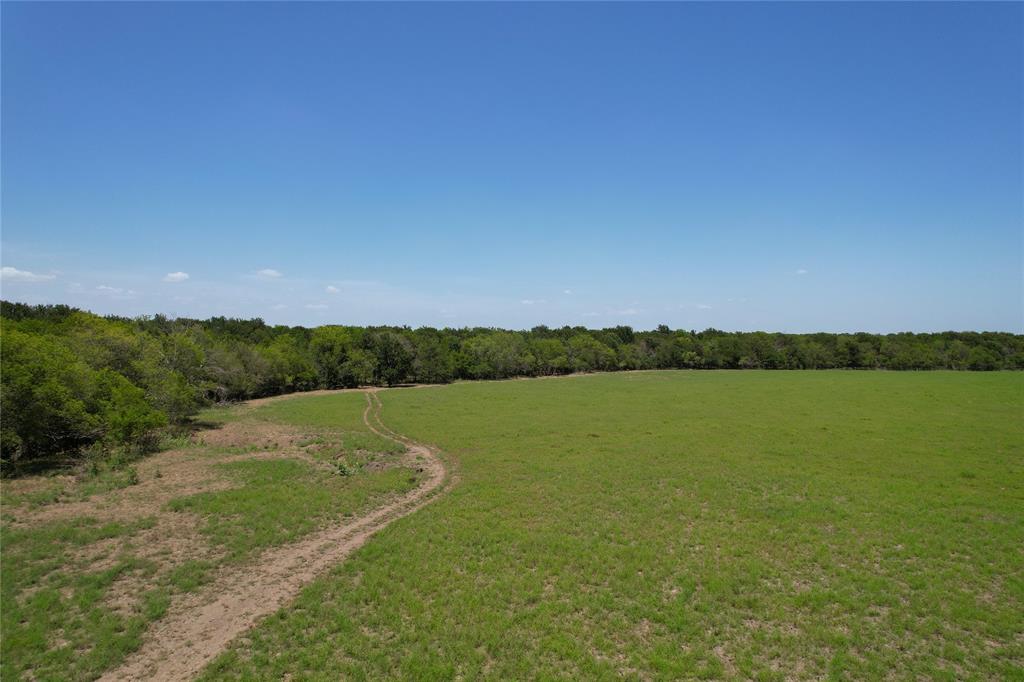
{"x": 673, "y": 525}
{"x": 91, "y": 561}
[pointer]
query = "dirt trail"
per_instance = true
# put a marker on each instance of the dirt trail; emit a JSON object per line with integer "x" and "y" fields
{"x": 201, "y": 626}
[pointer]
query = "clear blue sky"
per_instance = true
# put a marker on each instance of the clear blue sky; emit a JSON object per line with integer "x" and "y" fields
{"x": 790, "y": 167}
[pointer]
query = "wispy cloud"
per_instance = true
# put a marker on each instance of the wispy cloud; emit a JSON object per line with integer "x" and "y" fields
{"x": 331, "y": 289}
{"x": 567, "y": 292}
{"x": 176, "y": 276}
{"x": 627, "y": 311}
{"x": 801, "y": 271}
{"x": 114, "y": 292}
{"x": 316, "y": 306}
{"x": 9, "y": 274}
{"x": 269, "y": 273}
{"x": 703, "y": 306}
{"x": 532, "y": 301}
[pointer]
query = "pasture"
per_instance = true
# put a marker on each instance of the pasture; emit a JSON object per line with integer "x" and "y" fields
{"x": 673, "y": 525}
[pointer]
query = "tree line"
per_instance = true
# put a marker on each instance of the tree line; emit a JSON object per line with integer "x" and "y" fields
{"x": 71, "y": 380}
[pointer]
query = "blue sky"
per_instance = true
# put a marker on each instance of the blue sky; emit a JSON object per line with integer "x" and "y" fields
{"x": 786, "y": 167}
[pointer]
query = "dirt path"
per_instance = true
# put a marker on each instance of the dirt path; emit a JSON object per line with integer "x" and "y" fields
{"x": 201, "y": 626}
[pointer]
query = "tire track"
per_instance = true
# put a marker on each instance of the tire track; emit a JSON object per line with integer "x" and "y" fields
{"x": 200, "y": 626}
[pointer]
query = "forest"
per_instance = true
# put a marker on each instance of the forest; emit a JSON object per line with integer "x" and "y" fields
{"x": 74, "y": 382}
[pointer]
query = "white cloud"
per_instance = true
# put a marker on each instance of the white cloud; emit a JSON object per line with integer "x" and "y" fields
{"x": 279, "y": 306}
{"x": 801, "y": 271}
{"x": 331, "y": 289}
{"x": 567, "y": 292}
{"x": 532, "y": 301}
{"x": 175, "y": 276}
{"x": 15, "y": 275}
{"x": 269, "y": 273}
{"x": 115, "y": 292}
{"x": 627, "y": 311}
{"x": 591, "y": 315}
{"x": 316, "y": 306}
{"x": 703, "y": 306}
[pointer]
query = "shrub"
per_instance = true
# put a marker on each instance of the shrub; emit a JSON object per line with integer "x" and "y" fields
{"x": 125, "y": 413}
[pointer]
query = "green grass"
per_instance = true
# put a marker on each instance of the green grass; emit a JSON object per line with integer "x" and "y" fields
{"x": 221, "y": 414}
{"x": 279, "y": 501}
{"x": 680, "y": 525}
{"x": 333, "y": 411}
{"x": 91, "y": 478}
{"x": 338, "y": 414}
{"x": 54, "y": 619}
{"x": 57, "y": 620}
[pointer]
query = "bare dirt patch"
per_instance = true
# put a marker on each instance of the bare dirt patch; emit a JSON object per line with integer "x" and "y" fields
{"x": 251, "y": 434}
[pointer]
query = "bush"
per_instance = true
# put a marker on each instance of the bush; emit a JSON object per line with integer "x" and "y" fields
{"x": 124, "y": 411}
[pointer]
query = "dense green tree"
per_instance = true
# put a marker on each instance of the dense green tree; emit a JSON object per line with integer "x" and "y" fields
{"x": 636, "y": 355}
{"x": 587, "y": 354}
{"x": 360, "y": 369}
{"x": 330, "y": 347}
{"x": 71, "y": 379}
{"x": 393, "y": 357}
{"x": 550, "y": 356}
{"x": 290, "y": 366}
{"x": 982, "y": 359}
{"x": 497, "y": 355}
{"x": 45, "y": 391}
{"x": 434, "y": 362}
